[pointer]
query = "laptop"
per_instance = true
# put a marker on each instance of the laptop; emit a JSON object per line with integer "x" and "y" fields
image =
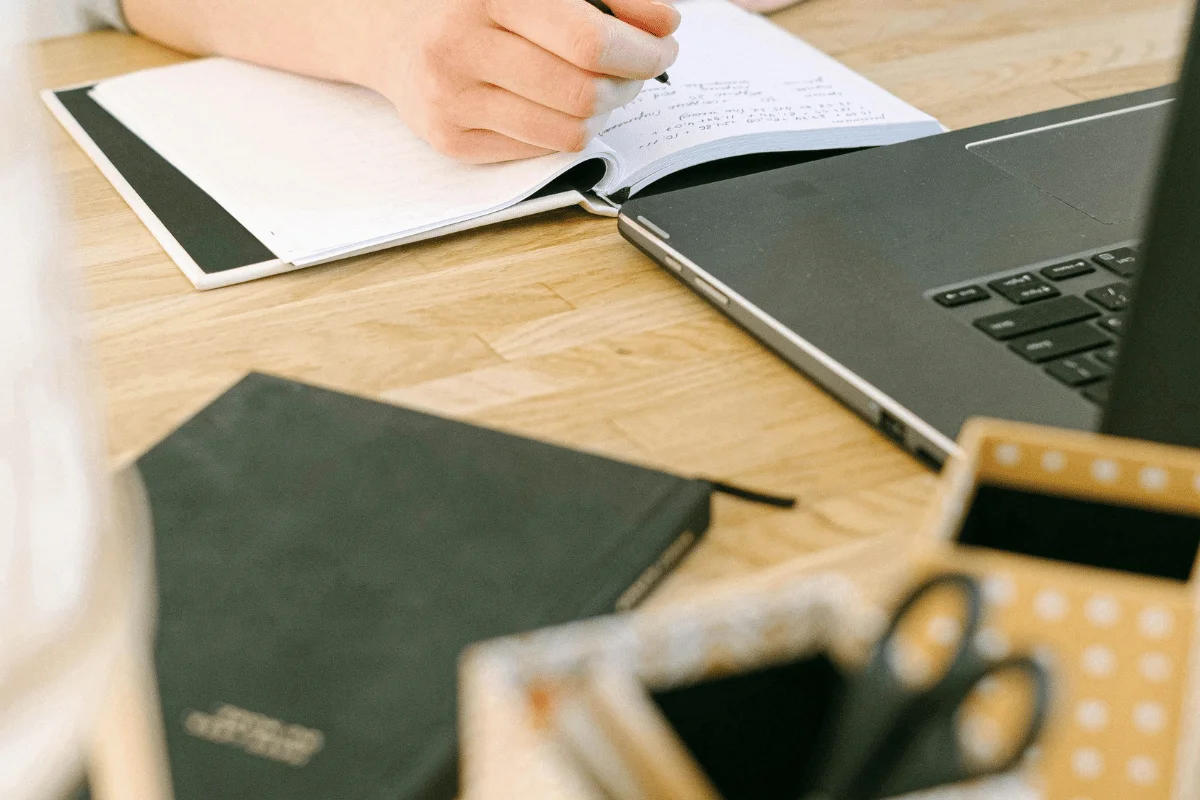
{"x": 988, "y": 271}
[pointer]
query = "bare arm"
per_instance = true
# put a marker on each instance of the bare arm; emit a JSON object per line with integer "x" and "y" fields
{"x": 482, "y": 80}
{"x": 313, "y": 37}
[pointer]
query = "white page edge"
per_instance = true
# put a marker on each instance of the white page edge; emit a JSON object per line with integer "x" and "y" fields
{"x": 187, "y": 265}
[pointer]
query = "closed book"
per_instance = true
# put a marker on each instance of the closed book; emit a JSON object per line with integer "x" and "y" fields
{"x": 324, "y": 559}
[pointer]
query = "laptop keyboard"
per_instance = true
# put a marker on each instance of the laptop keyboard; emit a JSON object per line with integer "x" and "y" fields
{"x": 1065, "y": 317}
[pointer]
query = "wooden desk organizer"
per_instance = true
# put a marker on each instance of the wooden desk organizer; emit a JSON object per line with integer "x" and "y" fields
{"x": 1120, "y": 640}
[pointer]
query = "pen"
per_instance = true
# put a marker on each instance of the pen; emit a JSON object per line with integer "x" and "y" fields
{"x": 600, "y": 5}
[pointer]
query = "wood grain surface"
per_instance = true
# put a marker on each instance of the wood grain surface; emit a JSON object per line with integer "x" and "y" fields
{"x": 554, "y": 327}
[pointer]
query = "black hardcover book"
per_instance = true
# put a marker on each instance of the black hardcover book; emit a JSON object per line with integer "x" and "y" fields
{"x": 323, "y": 560}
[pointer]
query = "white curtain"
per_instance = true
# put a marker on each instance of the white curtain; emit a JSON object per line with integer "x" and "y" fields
{"x": 50, "y": 459}
{"x": 65, "y": 17}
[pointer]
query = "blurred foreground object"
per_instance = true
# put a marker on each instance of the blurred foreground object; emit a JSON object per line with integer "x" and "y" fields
{"x": 729, "y": 695}
{"x": 1086, "y": 547}
{"x": 564, "y": 713}
{"x": 76, "y": 689}
{"x": 949, "y": 714}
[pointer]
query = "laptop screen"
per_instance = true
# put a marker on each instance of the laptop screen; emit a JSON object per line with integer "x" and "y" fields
{"x": 1155, "y": 393}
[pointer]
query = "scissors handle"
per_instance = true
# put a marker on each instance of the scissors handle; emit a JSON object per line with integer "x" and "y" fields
{"x": 890, "y": 737}
{"x": 877, "y": 699}
{"x": 928, "y": 750}
{"x": 967, "y": 586}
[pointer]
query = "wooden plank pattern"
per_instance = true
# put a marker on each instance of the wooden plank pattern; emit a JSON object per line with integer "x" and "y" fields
{"x": 554, "y": 327}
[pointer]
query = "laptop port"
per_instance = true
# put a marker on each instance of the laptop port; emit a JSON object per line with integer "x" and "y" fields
{"x": 893, "y": 428}
{"x": 928, "y": 459}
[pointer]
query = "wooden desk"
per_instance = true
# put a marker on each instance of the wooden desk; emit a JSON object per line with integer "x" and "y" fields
{"x": 555, "y": 327}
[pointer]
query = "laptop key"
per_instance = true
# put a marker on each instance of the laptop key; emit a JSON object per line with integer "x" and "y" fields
{"x": 1067, "y": 269}
{"x": 1097, "y": 392}
{"x": 1049, "y": 345}
{"x": 961, "y": 296}
{"x": 1038, "y": 317}
{"x": 1078, "y": 371}
{"x": 1023, "y": 288}
{"x": 1107, "y": 356}
{"x": 1114, "y": 324}
{"x": 1114, "y": 297}
{"x": 1123, "y": 261}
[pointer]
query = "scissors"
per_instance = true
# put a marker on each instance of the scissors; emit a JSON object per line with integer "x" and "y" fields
{"x": 890, "y": 738}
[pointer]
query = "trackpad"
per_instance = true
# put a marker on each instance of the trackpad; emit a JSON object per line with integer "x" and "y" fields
{"x": 1102, "y": 166}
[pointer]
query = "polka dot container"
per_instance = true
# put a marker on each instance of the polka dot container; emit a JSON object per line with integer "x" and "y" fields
{"x": 1120, "y": 645}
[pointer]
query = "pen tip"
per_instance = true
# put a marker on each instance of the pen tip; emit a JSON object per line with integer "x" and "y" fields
{"x": 663, "y": 79}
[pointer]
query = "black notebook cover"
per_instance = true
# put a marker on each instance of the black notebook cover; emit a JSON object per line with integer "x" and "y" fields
{"x": 323, "y": 559}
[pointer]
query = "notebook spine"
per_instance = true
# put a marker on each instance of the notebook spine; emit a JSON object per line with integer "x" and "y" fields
{"x": 656, "y": 571}
{"x": 672, "y": 528}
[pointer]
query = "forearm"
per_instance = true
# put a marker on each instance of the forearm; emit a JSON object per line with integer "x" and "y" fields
{"x": 325, "y": 38}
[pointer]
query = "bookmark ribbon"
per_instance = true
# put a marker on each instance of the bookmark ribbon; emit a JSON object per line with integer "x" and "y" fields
{"x": 778, "y": 501}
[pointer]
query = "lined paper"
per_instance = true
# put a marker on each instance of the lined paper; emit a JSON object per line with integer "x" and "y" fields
{"x": 739, "y": 75}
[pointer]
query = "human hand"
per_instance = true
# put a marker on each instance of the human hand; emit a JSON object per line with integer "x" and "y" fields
{"x": 496, "y": 80}
{"x": 764, "y": 6}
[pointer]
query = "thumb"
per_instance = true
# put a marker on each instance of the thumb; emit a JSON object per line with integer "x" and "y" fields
{"x": 657, "y": 18}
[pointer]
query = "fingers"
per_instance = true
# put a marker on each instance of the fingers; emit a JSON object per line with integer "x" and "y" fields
{"x": 592, "y": 41}
{"x": 495, "y": 80}
{"x": 524, "y": 120}
{"x": 523, "y": 68}
{"x": 659, "y": 19}
{"x": 500, "y": 126}
{"x": 485, "y": 147}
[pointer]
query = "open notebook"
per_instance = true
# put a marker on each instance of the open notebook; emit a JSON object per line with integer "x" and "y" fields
{"x": 317, "y": 171}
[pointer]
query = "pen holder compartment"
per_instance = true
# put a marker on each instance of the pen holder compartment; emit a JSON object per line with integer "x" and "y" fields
{"x": 758, "y": 734}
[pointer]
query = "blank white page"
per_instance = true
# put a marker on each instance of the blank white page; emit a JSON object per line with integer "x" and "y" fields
{"x": 739, "y": 75}
{"x": 313, "y": 169}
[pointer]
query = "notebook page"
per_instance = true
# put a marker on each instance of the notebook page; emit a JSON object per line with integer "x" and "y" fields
{"x": 738, "y": 74}
{"x": 313, "y": 169}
